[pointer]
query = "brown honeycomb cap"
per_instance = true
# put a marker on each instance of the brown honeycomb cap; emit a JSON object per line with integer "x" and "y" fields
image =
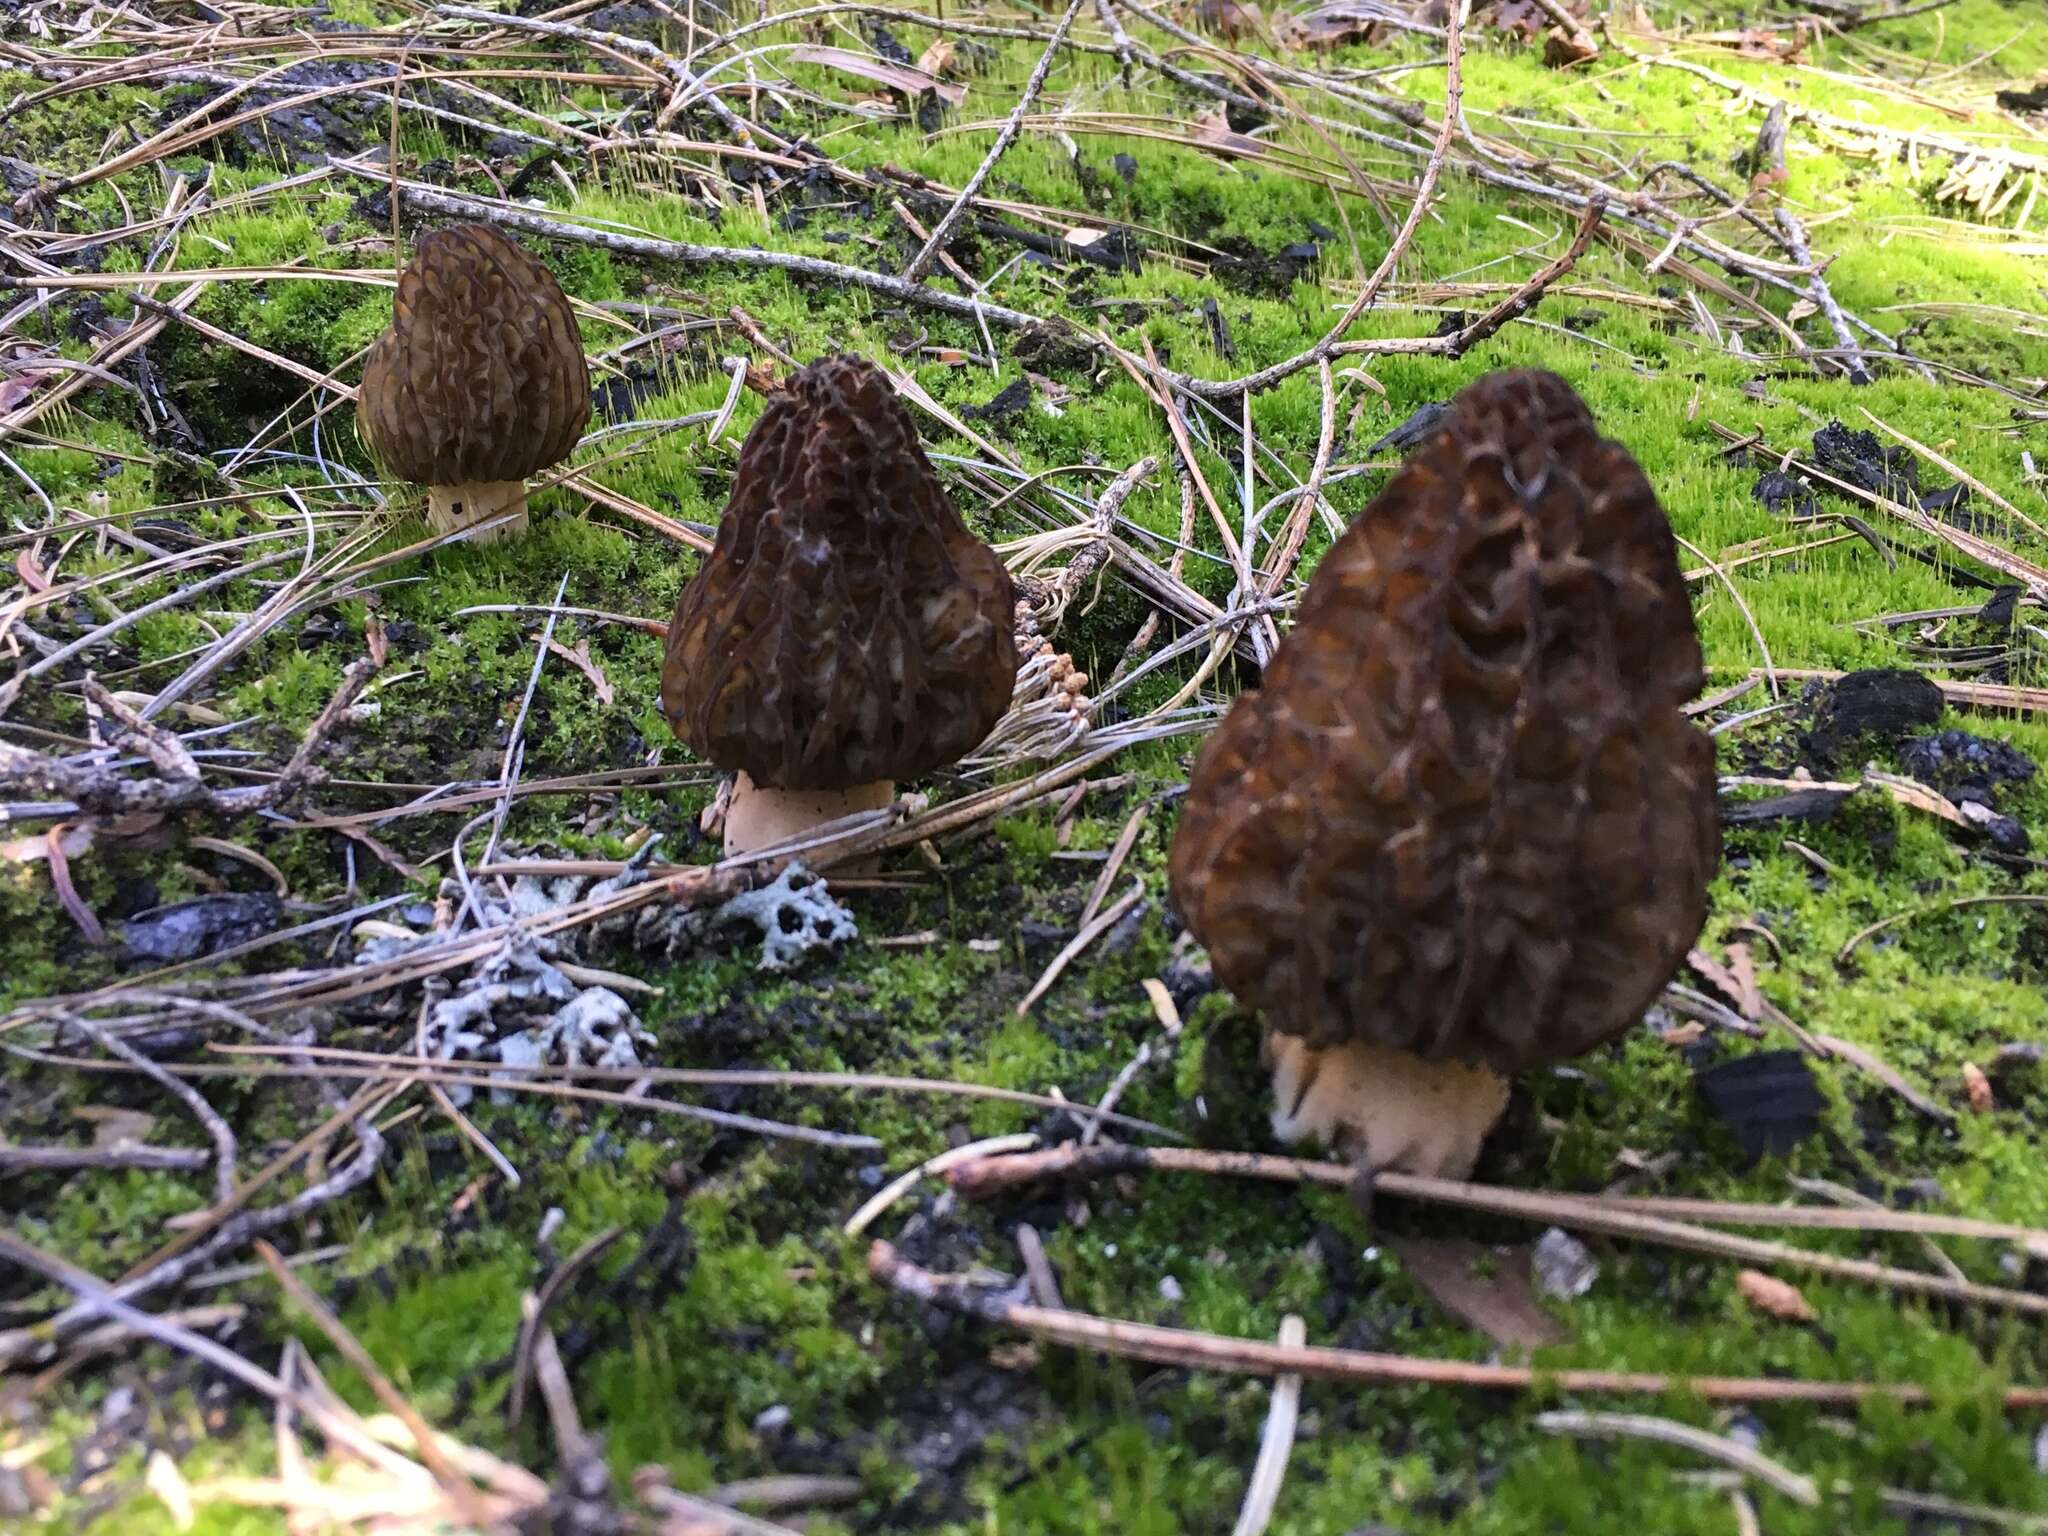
{"x": 847, "y": 626}
{"x": 1462, "y": 816}
{"x": 481, "y": 375}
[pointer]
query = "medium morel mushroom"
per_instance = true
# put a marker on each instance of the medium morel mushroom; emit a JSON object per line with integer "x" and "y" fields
{"x": 1462, "y": 827}
{"x": 480, "y": 380}
{"x": 847, "y": 629}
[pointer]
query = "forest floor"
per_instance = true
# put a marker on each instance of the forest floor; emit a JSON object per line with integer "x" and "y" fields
{"x": 1790, "y": 256}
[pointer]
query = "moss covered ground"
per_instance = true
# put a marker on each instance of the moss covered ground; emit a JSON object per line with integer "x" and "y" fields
{"x": 732, "y": 1331}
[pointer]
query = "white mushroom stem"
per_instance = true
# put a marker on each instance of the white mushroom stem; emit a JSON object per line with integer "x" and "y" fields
{"x": 452, "y": 507}
{"x": 1384, "y": 1110}
{"x": 759, "y": 817}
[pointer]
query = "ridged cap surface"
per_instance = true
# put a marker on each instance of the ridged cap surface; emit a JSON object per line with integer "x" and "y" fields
{"x": 847, "y": 626}
{"x": 1463, "y": 815}
{"x": 481, "y": 375}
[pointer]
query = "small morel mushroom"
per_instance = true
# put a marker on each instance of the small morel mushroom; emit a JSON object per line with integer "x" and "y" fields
{"x": 847, "y": 629}
{"x": 480, "y": 380}
{"x": 1462, "y": 827}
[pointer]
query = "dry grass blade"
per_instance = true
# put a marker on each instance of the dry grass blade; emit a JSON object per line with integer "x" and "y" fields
{"x": 356, "y": 1065}
{"x": 1636, "y": 1426}
{"x": 1263, "y": 1492}
{"x": 460, "y": 1493}
{"x": 182, "y": 305}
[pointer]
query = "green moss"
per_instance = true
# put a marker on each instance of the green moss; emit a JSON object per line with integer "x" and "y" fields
{"x": 761, "y": 1303}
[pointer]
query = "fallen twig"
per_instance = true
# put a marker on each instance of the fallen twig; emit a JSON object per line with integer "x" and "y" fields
{"x": 1253, "y": 1357}
{"x": 1583, "y": 1213}
{"x": 106, "y": 792}
{"x": 921, "y": 263}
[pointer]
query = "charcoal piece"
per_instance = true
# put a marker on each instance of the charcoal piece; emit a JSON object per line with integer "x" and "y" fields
{"x": 885, "y": 43}
{"x": 1879, "y": 701}
{"x": 1420, "y": 423}
{"x": 1768, "y": 1100}
{"x": 1949, "y": 503}
{"x": 186, "y": 930}
{"x": 1810, "y": 805}
{"x": 1219, "y": 330}
{"x": 1786, "y": 495}
{"x": 1958, "y": 760}
{"x": 1859, "y": 459}
{"x": 1011, "y": 400}
{"x": 2033, "y": 99}
{"x": 2002, "y": 608}
{"x": 2003, "y": 833}
{"x": 1117, "y": 250}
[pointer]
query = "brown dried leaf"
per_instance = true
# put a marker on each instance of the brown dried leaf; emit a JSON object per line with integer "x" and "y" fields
{"x": 1523, "y": 18}
{"x": 1232, "y": 18}
{"x": 1212, "y": 130}
{"x": 1562, "y": 48}
{"x": 1758, "y": 43}
{"x": 1741, "y": 966}
{"x": 906, "y": 78}
{"x": 67, "y": 893}
{"x": 1330, "y": 27}
{"x": 14, "y": 391}
{"x": 1050, "y": 390}
{"x": 936, "y": 59}
{"x": 31, "y": 574}
{"x": 1767, "y": 1293}
{"x": 1978, "y": 1087}
{"x": 113, "y": 1126}
{"x": 1479, "y": 1286}
{"x": 580, "y": 660}
{"x": 1717, "y": 975}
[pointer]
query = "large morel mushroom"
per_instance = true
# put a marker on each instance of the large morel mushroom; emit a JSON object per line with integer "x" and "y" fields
{"x": 480, "y": 381}
{"x": 847, "y": 630}
{"x": 1462, "y": 827}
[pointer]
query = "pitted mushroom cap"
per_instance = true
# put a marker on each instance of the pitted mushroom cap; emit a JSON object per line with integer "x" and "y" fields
{"x": 481, "y": 376}
{"x": 847, "y": 626}
{"x": 1463, "y": 816}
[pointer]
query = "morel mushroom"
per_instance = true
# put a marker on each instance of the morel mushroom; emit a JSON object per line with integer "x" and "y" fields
{"x": 847, "y": 630}
{"x": 1462, "y": 827}
{"x": 480, "y": 381}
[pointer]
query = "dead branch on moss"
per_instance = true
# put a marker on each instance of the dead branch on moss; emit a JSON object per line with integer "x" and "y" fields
{"x": 921, "y": 263}
{"x": 1251, "y": 1357}
{"x": 125, "y": 1155}
{"x": 103, "y": 791}
{"x": 1580, "y": 1212}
